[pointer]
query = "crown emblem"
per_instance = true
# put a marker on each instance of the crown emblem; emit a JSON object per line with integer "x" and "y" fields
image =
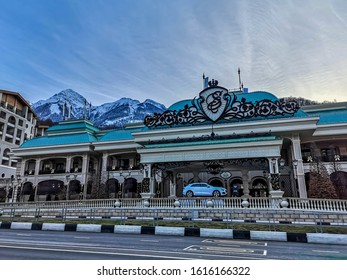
{"x": 213, "y": 83}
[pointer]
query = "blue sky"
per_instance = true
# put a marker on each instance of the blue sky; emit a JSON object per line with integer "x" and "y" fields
{"x": 158, "y": 49}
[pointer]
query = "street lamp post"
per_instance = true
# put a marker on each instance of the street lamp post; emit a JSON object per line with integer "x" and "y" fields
{"x": 295, "y": 173}
{"x": 21, "y": 183}
{"x": 9, "y": 186}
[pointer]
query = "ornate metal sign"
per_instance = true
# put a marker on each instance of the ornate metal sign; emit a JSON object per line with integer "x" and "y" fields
{"x": 217, "y": 103}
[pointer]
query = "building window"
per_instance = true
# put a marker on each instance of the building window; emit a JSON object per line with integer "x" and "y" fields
{"x": 9, "y": 139}
{"x": 10, "y": 131}
{"x": 19, "y": 133}
{"x": 12, "y": 120}
{"x": 328, "y": 154}
{"x": 306, "y": 154}
{"x": 3, "y": 115}
{"x": 6, "y": 157}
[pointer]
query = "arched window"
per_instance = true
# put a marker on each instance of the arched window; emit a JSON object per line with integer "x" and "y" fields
{"x": 76, "y": 164}
{"x": 216, "y": 182}
{"x": 6, "y": 157}
{"x": 12, "y": 120}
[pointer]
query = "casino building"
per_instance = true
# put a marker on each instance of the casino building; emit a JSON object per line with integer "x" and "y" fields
{"x": 251, "y": 143}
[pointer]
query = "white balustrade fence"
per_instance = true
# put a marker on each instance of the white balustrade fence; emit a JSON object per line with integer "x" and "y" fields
{"x": 328, "y": 205}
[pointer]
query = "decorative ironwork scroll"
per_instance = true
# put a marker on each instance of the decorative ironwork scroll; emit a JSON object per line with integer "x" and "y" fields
{"x": 216, "y": 103}
{"x": 275, "y": 181}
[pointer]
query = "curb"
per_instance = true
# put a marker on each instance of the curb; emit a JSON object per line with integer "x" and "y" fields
{"x": 318, "y": 238}
{"x": 266, "y": 222}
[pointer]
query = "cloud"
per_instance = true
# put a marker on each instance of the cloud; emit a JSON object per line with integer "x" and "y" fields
{"x": 159, "y": 49}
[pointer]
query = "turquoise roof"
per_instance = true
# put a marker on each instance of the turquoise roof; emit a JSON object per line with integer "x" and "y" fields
{"x": 330, "y": 116}
{"x": 56, "y": 140}
{"x": 120, "y": 134}
{"x": 255, "y": 96}
{"x": 83, "y": 131}
{"x": 180, "y": 105}
{"x": 72, "y": 126}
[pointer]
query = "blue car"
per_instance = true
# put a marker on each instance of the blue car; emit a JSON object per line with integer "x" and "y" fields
{"x": 203, "y": 189}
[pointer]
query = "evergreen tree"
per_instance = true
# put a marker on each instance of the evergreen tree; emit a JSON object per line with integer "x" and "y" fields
{"x": 320, "y": 185}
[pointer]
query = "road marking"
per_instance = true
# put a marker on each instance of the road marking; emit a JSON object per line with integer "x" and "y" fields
{"x": 96, "y": 252}
{"x": 81, "y": 237}
{"x": 234, "y": 242}
{"x": 225, "y": 250}
{"x": 23, "y": 234}
{"x": 192, "y": 254}
{"x": 145, "y": 253}
{"x": 189, "y": 248}
{"x": 149, "y": 240}
{"x": 265, "y": 252}
{"x": 326, "y": 252}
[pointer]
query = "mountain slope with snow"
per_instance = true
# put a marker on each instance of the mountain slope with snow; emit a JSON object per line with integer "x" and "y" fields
{"x": 115, "y": 114}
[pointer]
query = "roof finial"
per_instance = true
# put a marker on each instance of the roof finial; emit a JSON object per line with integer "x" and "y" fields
{"x": 240, "y": 83}
{"x": 64, "y": 108}
{"x": 204, "y": 81}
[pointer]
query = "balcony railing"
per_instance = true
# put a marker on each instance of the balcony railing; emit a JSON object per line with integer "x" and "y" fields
{"x": 321, "y": 205}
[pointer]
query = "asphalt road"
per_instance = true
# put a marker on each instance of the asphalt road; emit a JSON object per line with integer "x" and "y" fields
{"x": 53, "y": 245}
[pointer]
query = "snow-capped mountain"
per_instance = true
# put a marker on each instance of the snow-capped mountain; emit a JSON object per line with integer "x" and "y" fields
{"x": 115, "y": 114}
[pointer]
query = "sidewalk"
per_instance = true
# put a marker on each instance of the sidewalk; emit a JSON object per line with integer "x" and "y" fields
{"x": 322, "y": 238}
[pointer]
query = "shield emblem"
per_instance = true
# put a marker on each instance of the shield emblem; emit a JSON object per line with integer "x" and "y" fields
{"x": 213, "y": 102}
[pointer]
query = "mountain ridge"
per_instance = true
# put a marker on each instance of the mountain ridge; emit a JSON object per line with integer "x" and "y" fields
{"x": 108, "y": 115}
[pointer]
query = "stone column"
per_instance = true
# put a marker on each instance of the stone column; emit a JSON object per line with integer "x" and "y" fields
{"x": 275, "y": 192}
{"x": 300, "y": 174}
{"x": 173, "y": 185}
{"x": 245, "y": 183}
{"x": 149, "y": 174}
{"x": 104, "y": 162}
{"x": 271, "y": 171}
{"x": 68, "y": 164}
{"x": 37, "y": 170}
{"x": 4, "y": 132}
{"x": 85, "y": 166}
{"x": 152, "y": 180}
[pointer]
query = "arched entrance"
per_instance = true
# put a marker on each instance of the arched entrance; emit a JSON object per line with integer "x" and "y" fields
{"x": 259, "y": 187}
{"x": 216, "y": 182}
{"x": 50, "y": 190}
{"x": 130, "y": 188}
{"x": 2, "y": 195}
{"x": 112, "y": 188}
{"x": 236, "y": 187}
{"x": 27, "y": 193}
{"x": 75, "y": 190}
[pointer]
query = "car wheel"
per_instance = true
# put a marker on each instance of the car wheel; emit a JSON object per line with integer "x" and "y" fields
{"x": 190, "y": 194}
{"x": 216, "y": 193}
